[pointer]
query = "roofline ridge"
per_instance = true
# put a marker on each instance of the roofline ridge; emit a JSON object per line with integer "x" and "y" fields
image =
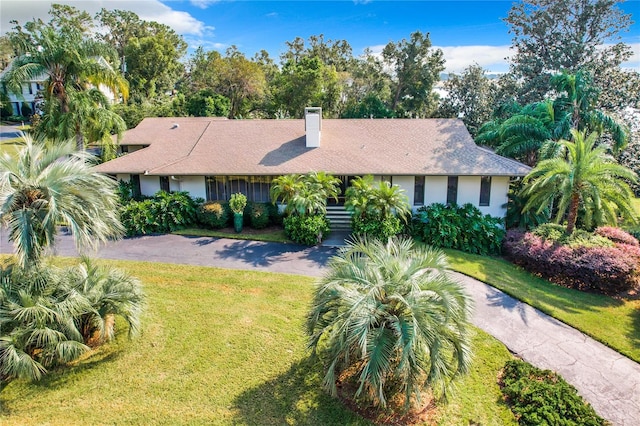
{"x": 188, "y": 154}
{"x": 511, "y": 160}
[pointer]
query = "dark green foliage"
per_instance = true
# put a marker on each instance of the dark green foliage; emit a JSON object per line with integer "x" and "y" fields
{"x": 213, "y": 215}
{"x": 6, "y": 110}
{"x": 259, "y": 215}
{"x": 541, "y": 397}
{"x": 26, "y": 110}
{"x": 459, "y": 227}
{"x": 370, "y": 107}
{"x": 308, "y": 229}
{"x": 578, "y": 238}
{"x": 125, "y": 191}
{"x": 380, "y": 229}
{"x": 516, "y": 218}
{"x": 206, "y": 103}
{"x": 275, "y": 217}
{"x": 165, "y": 212}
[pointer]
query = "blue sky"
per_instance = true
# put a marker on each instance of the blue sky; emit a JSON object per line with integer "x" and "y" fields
{"x": 467, "y": 31}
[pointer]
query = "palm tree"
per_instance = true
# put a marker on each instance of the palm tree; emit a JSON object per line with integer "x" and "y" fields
{"x": 36, "y": 322}
{"x": 71, "y": 63}
{"x": 531, "y": 132}
{"x": 583, "y": 176}
{"x": 389, "y": 312}
{"x": 48, "y": 185}
{"x": 283, "y": 188}
{"x": 110, "y": 293}
{"x": 305, "y": 194}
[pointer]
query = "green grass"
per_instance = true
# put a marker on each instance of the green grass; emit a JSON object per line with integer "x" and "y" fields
{"x": 272, "y": 234}
{"x": 221, "y": 347}
{"x": 614, "y": 322}
{"x": 10, "y": 145}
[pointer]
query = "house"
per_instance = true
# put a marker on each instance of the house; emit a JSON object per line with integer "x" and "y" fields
{"x": 433, "y": 160}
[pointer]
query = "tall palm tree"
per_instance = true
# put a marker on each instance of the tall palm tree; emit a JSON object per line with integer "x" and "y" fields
{"x": 283, "y": 188}
{"x": 48, "y": 185}
{"x": 531, "y": 132}
{"x": 70, "y": 63}
{"x": 583, "y": 176}
{"x": 389, "y": 311}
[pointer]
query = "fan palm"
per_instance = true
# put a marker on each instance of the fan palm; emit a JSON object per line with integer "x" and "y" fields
{"x": 390, "y": 311}
{"x": 49, "y": 185}
{"x": 36, "y": 322}
{"x": 584, "y": 177}
{"x": 110, "y": 293}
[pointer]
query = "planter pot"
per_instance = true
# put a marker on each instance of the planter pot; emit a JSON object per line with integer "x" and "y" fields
{"x": 238, "y": 219}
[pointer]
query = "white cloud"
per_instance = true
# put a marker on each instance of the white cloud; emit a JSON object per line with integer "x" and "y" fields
{"x": 491, "y": 58}
{"x": 203, "y": 4}
{"x": 148, "y": 10}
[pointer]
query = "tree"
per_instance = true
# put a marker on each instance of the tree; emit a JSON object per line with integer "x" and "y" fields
{"x": 242, "y": 81}
{"x": 415, "y": 69}
{"x": 550, "y": 36}
{"x": 582, "y": 177}
{"x": 529, "y": 133}
{"x": 471, "y": 95}
{"x": 206, "y": 103}
{"x": 49, "y": 184}
{"x": 305, "y": 194}
{"x": 150, "y": 52}
{"x": 72, "y": 62}
{"x": 203, "y": 70}
{"x": 388, "y": 312}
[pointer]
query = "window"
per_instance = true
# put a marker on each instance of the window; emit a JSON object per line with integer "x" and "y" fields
{"x": 485, "y": 190}
{"x": 452, "y": 190}
{"x": 164, "y": 183}
{"x": 256, "y": 188}
{"x": 259, "y": 187}
{"x": 216, "y": 189}
{"x": 387, "y": 179}
{"x": 136, "y": 192}
{"x": 418, "y": 191}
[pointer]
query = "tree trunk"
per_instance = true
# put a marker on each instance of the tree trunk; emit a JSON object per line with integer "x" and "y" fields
{"x": 573, "y": 212}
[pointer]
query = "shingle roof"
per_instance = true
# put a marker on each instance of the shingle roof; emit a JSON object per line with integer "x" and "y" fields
{"x": 207, "y": 146}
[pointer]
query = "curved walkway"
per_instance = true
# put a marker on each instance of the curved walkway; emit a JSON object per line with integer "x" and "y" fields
{"x": 608, "y": 380}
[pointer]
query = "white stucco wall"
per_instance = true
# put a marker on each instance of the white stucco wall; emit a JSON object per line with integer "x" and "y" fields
{"x": 149, "y": 185}
{"x": 194, "y": 185}
{"x": 406, "y": 183}
{"x": 123, "y": 177}
{"x": 468, "y": 190}
{"x": 435, "y": 190}
{"x": 498, "y": 200}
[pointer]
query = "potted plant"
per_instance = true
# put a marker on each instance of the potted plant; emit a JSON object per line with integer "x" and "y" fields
{"x": 237, "y": 203}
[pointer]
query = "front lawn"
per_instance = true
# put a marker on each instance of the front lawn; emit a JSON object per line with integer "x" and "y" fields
{"x": 221, "y": 347}
{"x": 272, "y": 234}
{"x": 612, "y": 321}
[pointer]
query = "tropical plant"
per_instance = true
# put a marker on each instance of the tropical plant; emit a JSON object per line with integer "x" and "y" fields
{"x": 584, "y": 177}
{"x": 388, "y": 313}
{"x": 238, "y": 202}
{"x": 305, "y": 194}
{"x": 47, "y": 185}
{"x": 530, "y": 133}
{"x": 306, "y": 229}
{"x": 283, "y": 188}
{"x": 462, "y": 228}
{"x": 376, "y": 210}
{"x": 49, "y": 316}
{"x": 73, "y": 63}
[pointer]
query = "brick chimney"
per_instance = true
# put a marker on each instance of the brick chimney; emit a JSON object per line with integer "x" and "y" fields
{"x": 313, "y": 126}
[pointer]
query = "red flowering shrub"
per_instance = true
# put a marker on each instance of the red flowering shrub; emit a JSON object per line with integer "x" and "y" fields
{"x": 608, "y": 270}
{"x": 616, "y": 235}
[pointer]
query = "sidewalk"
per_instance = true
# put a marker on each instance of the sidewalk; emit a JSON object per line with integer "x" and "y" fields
{"x": 606, "y": 379}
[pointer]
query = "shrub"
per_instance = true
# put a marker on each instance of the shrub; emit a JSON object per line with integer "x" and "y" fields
{"x": 539, "y": 397}
{"x": 607, "y": 270}
{"x": 578, "y": 238}
{"x": 165, "y": 212}
{"x": 26, "y": 110}
{"x": 381, "y": 229}
{"x": 308, "y": 229}
{"x": 213, "y": 215}
{"x": 259, "y": 216}
{"x": 238, "y": 202}
{"x": 617, "y": 235}
{"x": 459, "y": 227}
{"x": 275, "y": 217}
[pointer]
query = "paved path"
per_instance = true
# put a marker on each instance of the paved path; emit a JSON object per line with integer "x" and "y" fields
{"x": 609, "y": 381}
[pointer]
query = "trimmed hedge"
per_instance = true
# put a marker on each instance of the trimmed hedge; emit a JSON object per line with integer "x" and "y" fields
{"x": 378, "y": 228}
{"x": 462, "y": 228}
{"x": 165, "y": 212}
{"x": 308, "y": 229}
{"x": 213, "y": 215}
{"x": 542, "y": 397}
{"x": 607, "y": 270}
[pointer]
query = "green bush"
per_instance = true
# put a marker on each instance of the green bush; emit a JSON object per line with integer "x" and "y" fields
{"x": 165, "y": 212}
{"x": 275, "y": 217}
{"x": 308, "y": 230}
{"x": 579, "y": 238}
{"x": 381, "y": 229}
{"x": 459, "y": 227}
{"x": 259, "y": 215}
{"x": 541, "y": 397}
{"x": 213, "y": 215}
{"x": 26, "y": 110}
